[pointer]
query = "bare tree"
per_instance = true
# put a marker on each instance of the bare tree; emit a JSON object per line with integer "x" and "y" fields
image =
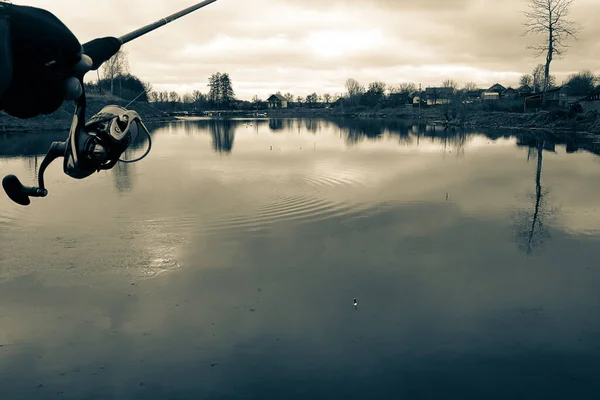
{"x": 116, "y": 66}
{"x": 407, "y": 87}
{"x": 526, "y": 80}
{"x": 470, "y": 86}
{"x": 354, "y": 88}
{"x": 256, "y": 101}
{"x": 376, "y": 93}
{"x": 289, "y": 97}
{"x": 549, "y": 18}
{"x": 312, "y": 99}
{"x": 197, "y": 96}
{"x": 450, "y": 83}
{"x": 188, "y": 98}
{"x": 538, "y": 78}
{"x": 173, "y": 97}
{"x": 327, "y": 98}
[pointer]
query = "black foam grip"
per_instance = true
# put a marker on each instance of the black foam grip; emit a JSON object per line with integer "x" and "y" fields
{"x": 101, "y": 50}
{"x": 14, "y": 189}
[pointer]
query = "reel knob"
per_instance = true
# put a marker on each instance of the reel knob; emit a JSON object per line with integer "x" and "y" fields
{"x": 20, "y": 194}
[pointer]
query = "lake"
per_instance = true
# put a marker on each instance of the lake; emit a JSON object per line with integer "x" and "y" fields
{"x": 225, "y": 264}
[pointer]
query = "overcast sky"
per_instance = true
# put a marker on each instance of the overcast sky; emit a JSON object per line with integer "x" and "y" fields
{"x": 305, "y": 46}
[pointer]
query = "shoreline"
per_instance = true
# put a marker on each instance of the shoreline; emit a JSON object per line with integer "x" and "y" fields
{"x": 588, "y": 123}
{"x": 62, "y": 118}
{"x": 585, "y": 123}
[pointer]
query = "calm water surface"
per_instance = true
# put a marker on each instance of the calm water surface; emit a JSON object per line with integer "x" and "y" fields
{"x": 224, "y": 265}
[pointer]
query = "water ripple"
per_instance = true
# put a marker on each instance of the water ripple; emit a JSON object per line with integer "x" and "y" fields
{"x": 285, "y": 209}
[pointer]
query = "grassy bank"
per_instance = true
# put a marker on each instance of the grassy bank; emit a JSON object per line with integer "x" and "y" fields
{"x": 62, "y": 118}
{"x": 472, "y": 117}
{"x": 468, "y": 117}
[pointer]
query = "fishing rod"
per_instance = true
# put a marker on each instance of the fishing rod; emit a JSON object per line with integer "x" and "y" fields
{"x": 98, "y": 144}
{"x": 102, "y": 49}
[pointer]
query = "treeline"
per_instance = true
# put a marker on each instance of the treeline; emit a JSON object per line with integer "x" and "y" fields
{"x": 220, "y": 95}
{"x": 127, "y": 87}
{"x": 583, "y": 83}
{"x": 376, "y": 94}
{"x": 117, "y": 81}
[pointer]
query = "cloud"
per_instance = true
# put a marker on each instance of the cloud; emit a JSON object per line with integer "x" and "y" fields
{"x": 312, "y": 45}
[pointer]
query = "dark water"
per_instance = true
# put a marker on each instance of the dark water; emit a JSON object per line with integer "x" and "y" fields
{"x": 225, "y": 265}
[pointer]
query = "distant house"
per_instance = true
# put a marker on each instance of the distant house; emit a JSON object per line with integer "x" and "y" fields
{"x": 591, "y": 102}
{"x": 510, "y": 93}
{"x": 556, "y": 97}
{"x": 497, "y": 88}
{"x": 339, "y": 102}
{"x": 277, "y": 101}
{"x": 525, "y": 90}
{"x": 439, "y": 95}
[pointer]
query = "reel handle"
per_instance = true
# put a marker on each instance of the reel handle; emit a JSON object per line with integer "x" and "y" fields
{"x": 20, "y": 194}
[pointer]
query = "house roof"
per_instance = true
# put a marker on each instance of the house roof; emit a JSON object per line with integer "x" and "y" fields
{"x": 496, "y": 87}
{"x": 276, "y": 96}
{"x": 539, "y": 95}
{"x": 439, "y": 91}
{"x": 525, "y": 88}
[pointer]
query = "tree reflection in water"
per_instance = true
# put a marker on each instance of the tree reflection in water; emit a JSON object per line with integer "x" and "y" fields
{"x": 223, "y": 134}
{"x": 532, "y": 224}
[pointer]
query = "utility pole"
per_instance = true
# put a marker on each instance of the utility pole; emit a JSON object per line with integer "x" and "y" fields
{"x": 420, "y": 99}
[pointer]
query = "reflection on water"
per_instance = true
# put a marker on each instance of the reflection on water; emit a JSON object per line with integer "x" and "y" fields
{"x": 474, "y": 256}
{"x": 223, "y": 134}
{"x": 123, "y": 176}
{"x": 534, "y": 230}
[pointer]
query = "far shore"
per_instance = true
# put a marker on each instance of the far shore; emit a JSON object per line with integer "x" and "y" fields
{"x": 543, "y": 120}
{"x": 588, "y": 122}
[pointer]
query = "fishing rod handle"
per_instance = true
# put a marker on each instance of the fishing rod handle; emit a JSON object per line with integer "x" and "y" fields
{"x": 101, "y": 50}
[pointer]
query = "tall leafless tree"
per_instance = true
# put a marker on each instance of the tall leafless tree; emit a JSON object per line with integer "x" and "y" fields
{"x": 354, "y": 87}
{"x": 549, "y": 19}
{"x": 289, "y": 97}
{"x": 174, "y": 97}
{"x": 470, "y": 86}
{"x": 450, "y": 83}
{"x": 526, "y": 80}
{"x": 116, "y": 66}
{"x": 404, "y": 87}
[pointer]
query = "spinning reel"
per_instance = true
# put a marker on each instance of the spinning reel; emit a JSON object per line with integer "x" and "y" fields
{"x": 98, "y": 144}
{"x": 91, "y": 147}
